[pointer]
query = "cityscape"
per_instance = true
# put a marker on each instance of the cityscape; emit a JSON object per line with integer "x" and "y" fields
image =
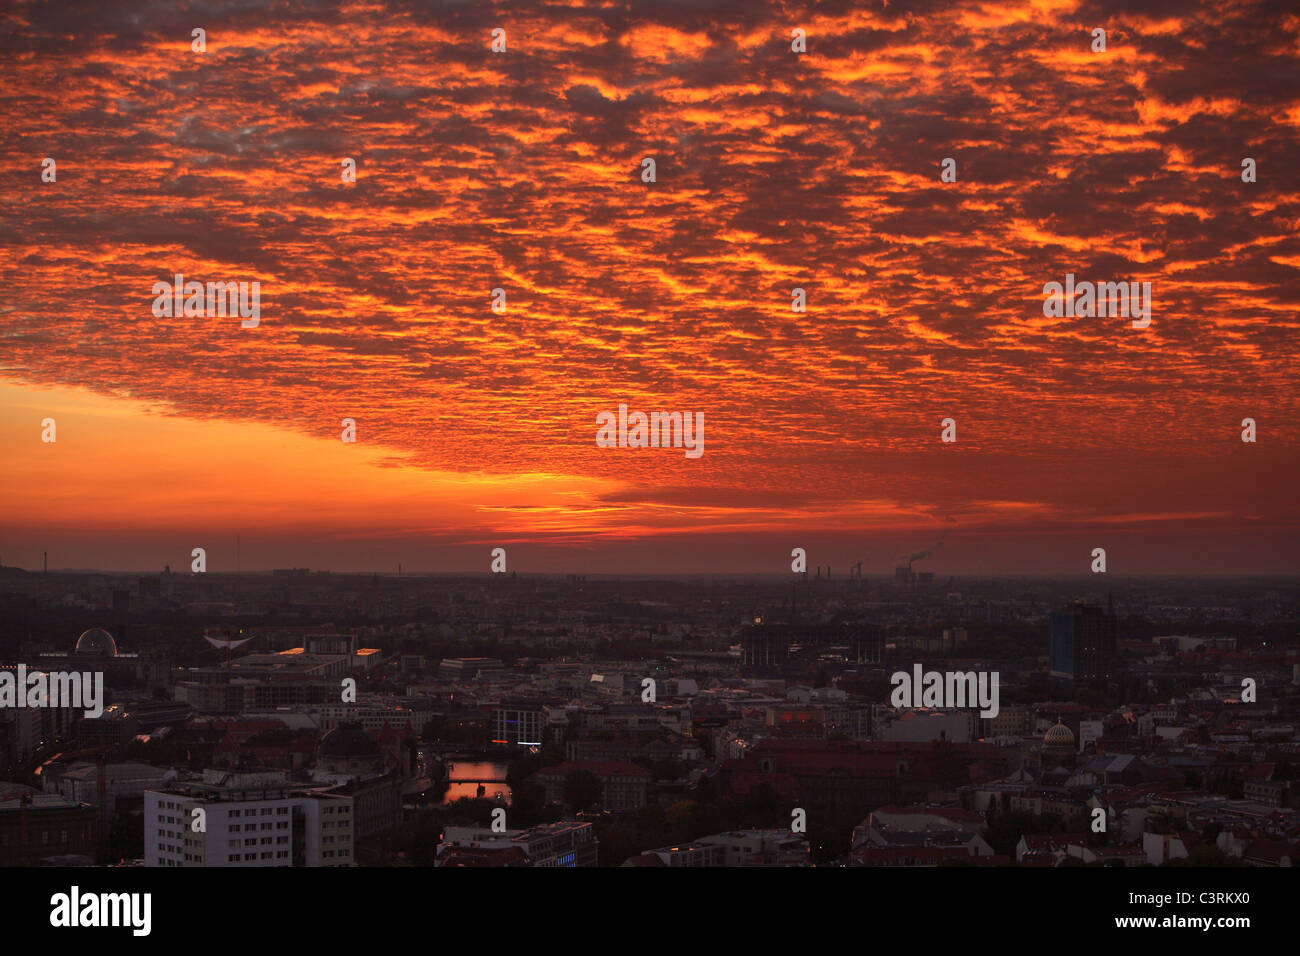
{"x": 843, "y": 453}
{"x": 505, "y": 720}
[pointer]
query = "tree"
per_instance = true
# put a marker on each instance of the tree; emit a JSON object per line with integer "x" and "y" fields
{"x": 667, "y": 769}
{"x": 764, "y": 807}
{"x": 582, "y": 789}
{"x": 528, "y": 805}
{"x": 1006, "y": 829}
{"x": 706, "y": 791}
{"x": 830, "y": 832}
{"x": 521, "y": 768}
{"x": 418, "y": 838}
{"x": 680, "y": 813}
{"x": 1206, "y": 856}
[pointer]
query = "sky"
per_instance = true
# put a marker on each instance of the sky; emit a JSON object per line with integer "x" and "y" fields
{"x": 522, "y": 170}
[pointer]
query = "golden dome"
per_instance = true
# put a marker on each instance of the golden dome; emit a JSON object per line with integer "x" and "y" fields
{"x": 1059, "y": 736}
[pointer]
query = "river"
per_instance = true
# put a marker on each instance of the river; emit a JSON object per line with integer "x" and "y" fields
{"x": 469, "y": 769}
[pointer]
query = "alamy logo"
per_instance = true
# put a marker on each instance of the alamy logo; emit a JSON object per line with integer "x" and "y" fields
{"x": 53, "y": 689}
{"x": 73, "y": 909}
{"x": 946, "y": 689}
{"x": 1088, "y": 300}
{"x": 658, "y": 430}
{"x": 214, "y": 299}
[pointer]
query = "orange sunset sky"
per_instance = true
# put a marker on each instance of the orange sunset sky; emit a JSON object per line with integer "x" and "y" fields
{"x": 775, "y": 170}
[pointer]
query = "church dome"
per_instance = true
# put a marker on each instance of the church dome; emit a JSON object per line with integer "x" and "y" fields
{"x": 1059, "y": 736}
{"x": 96, "y": 642}
{"x": 348, "y": 741}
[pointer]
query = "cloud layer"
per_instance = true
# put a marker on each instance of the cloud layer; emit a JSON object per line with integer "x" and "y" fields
{"x": 521, "y": 170}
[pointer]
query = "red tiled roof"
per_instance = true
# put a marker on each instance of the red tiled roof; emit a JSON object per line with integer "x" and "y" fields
{"x": 601, "y": 768}
{"x": 1271, "y": 850}
{"x": 948, "y": 813}
{"x": 742, "y": 781}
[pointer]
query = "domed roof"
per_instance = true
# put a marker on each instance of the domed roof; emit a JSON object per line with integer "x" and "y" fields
{"x": 348, "y": 740}
{"x": 1059, "y": 736}
{"x": 96, "y": 642}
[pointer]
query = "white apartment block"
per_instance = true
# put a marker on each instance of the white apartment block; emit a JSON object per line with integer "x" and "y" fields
{"x": 248, "y": 819}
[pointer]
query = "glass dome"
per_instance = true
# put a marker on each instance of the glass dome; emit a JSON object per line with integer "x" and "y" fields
{"x": 96, "y": 642}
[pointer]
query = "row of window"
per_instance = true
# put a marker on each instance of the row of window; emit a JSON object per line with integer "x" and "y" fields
{"x": 251, "y": 812}
{"x": 234, "y": 844}
{"x": 45, "y": 837}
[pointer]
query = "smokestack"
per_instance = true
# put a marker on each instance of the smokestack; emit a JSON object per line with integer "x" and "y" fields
{"x": 45, "y": 562}
{"x": 926, "y": 553}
